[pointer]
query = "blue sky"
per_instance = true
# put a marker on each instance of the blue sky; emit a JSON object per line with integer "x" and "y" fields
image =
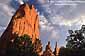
{"x": 56, "y": 17}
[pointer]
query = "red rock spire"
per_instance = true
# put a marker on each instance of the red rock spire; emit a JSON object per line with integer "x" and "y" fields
{"x": 55, "y": 51}
{"x": 24, "y": 21}
{"x": 48, "y": 51}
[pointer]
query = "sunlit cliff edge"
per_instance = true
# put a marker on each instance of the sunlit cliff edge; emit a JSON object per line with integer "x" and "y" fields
{"x": 24, "y": 21}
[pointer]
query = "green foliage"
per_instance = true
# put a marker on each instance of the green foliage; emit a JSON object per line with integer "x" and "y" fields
{"x": 21, "y": 46}
{"x": 76, "y": 39}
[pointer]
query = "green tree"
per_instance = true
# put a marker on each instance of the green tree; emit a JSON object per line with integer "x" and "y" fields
{"x": 76, "y": 39}
{"x": 21, "y": 46}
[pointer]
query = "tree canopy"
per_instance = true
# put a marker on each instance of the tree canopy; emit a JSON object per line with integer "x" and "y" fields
{"x": 21, "y": 46}
{"x": 76, "y": 38}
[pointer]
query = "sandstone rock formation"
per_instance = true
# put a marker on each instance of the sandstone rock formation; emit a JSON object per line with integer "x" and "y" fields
{"x": 55, "y": 51}
{"x": 24, "y": 21}
{"x": 48, "y": 51}
{"x": 38, "y": 47}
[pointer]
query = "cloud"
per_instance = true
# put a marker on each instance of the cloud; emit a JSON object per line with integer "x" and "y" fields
{"x": 58, "y": 29}
{"x": 48, "y": 29}
{"x": 68, "y": 12}
{"x": 6, "y": 13}
{"x": 9, "y": 11}
{"x": 60, "y": 20}
{"x": 20, "y": 1}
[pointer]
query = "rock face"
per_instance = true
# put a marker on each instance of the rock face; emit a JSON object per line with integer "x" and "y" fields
{"x": 24, "y": 21}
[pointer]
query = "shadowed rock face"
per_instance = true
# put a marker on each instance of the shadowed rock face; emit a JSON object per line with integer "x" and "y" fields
{"x": 24, "y": 21}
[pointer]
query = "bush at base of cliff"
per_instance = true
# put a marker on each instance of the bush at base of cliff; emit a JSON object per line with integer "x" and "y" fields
{"x": 21, "y": 46}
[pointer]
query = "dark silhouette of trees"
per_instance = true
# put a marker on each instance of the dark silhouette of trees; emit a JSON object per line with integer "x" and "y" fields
{"x": 76, "y": 39}
{"x": 71, "y": 52}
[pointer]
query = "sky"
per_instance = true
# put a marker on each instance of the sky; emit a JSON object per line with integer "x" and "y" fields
{"x": 56, "y": 17}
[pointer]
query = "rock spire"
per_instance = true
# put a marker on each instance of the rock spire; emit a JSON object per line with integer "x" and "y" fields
{"x": 24, "y": 21}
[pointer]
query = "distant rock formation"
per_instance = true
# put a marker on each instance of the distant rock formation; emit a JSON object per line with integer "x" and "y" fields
{"x": 24, "y": 21}
{"x": 48, "y": 51}
{"x": 55, "y": 51}
{"x": 38, "y": 47}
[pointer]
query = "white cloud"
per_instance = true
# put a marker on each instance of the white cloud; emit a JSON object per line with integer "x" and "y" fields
{"x": 47, "y": 27}
{"x": 54, "y": 35}
{"x": 6, "y": 13}
{"x": 9, "y": 11}
{"x": 20, "y": 1}
{"x": 59, "y": 27}
{"x": 60, "y": 20}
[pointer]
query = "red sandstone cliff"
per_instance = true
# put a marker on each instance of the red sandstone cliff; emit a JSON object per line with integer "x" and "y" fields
{"x": 24, "y": 21}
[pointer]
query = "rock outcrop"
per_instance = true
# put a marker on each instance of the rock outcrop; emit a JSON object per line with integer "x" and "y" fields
{"x": 24, "y": 21}
{"x": 55, "y": 51}
{"x": 48, "y": 51}
{"x": 38, "y": 47}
